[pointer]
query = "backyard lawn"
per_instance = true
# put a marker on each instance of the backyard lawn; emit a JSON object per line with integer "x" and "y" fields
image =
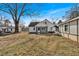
{"x": 37, "y": 45}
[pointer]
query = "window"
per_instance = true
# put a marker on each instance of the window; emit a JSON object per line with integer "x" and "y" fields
{"x": 45, "y": 22}
{"x": 11, "y": 29}
{"x": 33, "y": 28}
{"x": 66, "y": 27}
{"x": 43, "y": 28}
{"x": 38, "y": 28}
{"x": 51, "y": 28}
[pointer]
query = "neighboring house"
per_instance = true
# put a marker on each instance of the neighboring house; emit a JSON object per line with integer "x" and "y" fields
{"x": 5, "y": 26}
{"x": 44, "y": 26}
{"x": 32, "y": 28}
{"x": 70, "y": 29}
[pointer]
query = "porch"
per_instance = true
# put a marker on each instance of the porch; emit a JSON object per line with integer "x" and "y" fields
{"x": 41, "y": 30}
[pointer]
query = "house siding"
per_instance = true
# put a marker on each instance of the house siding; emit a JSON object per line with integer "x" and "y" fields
{"x": 78, "y": 27}
{"x": 31, "y": 29}
{"x": 73, "y": 27}
{"x": 73, "y": 30}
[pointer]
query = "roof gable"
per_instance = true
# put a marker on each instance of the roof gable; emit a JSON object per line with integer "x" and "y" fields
{"x": 45, "y": 23}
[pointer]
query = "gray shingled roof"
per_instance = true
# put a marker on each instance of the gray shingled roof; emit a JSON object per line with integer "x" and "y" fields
{"x": 32, "y": 24}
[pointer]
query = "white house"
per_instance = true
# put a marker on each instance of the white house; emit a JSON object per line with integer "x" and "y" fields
{"x": 32, "y": 28}
{"x": 70, "y": 29}
{"x": 44, "y": 26}
{"x": 6, "y": 26}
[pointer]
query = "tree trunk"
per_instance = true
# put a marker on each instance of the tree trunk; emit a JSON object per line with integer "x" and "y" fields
{"x": 16, "y": 27}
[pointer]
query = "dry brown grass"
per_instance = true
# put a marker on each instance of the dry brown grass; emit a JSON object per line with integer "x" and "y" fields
{"x": 37, "y": 45}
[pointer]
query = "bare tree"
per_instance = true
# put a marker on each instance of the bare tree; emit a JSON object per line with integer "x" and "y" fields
{"x": 73, "y": 12}
{"x": 15, "y": 12}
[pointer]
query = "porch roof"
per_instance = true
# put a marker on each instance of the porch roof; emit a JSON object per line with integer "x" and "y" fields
{"x": 69, "y": 20}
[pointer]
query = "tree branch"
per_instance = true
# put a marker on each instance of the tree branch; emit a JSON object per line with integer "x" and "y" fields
{"x": 16, "y": 11}
{"x": 12, "y": 15}
{"x": 22, "y": 11}
{"x": 4, "y": 11}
